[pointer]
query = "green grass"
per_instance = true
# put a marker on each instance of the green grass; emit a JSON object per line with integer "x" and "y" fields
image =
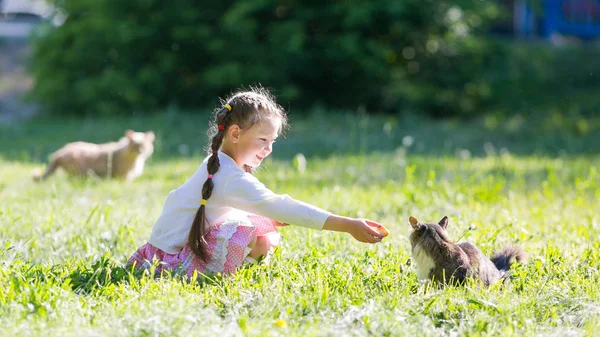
{"x": 64, "y": 242}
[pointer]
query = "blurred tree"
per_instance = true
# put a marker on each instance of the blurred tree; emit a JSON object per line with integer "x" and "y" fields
{"x": 117, "y": 56}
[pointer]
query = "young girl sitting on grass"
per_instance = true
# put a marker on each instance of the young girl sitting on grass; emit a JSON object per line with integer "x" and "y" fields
{"x": 223, "y": 216}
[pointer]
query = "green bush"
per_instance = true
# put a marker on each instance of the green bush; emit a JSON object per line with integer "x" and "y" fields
{"x": 553, "y": 80}
{"x": 380, "y": 55}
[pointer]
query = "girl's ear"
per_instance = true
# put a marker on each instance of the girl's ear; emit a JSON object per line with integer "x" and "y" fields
{"x": 233, "y": 132}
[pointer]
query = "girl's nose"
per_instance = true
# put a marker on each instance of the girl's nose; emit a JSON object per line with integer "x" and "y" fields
{"x": 269, "y": 147}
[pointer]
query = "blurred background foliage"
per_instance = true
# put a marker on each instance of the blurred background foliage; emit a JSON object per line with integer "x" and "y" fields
{"x": 435, "y": 58}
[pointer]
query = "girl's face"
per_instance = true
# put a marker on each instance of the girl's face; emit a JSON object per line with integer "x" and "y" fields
{"x": 251, "y": 146}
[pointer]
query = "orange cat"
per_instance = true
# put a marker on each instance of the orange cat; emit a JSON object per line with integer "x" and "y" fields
{"x": 123, "y": 159}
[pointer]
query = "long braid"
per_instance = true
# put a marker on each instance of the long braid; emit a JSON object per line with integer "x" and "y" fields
{"x": 244, "y": 109}
{"x": 196, "y": 239}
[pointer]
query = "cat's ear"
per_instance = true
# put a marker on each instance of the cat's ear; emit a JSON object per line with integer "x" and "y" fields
{"x": 150, "y": 136}
{"x": 413, "y": 222}
{"x": 129, "y": 133}
{"x": 444, "y": 222}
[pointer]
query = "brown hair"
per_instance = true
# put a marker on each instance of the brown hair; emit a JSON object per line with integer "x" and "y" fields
{"x": 248, "y": 108}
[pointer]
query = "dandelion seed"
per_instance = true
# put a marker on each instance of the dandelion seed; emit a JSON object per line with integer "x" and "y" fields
{"x": 106, "y": 235}
{"x": 464, "y": 154}
{"x": 300, "y": 162}
{"x": 489, "y": 149}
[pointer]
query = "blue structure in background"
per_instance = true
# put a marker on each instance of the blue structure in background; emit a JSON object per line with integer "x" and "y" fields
{"x": 572, "y": 17}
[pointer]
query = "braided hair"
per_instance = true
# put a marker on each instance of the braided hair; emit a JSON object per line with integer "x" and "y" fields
{"x": 244, "y": 108}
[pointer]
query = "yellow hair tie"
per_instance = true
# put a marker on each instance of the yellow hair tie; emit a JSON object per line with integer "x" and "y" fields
{"x": 203, "y": 202}
{"x": 227, "y": 106}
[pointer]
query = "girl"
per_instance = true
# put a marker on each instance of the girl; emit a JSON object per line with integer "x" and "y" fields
{"x": 222, "y": 216}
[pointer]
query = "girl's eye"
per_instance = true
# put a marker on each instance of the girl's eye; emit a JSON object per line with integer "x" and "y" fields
{"x": 263, "y": 139}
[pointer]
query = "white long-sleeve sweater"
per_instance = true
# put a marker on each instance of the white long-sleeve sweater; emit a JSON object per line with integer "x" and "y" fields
{"x": 235, "y": 194}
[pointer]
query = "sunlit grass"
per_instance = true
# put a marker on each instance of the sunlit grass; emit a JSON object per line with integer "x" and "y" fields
{"x": 63, "y": 243}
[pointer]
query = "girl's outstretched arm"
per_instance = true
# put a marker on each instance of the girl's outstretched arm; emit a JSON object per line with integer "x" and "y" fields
{"x": 361, "y": 229}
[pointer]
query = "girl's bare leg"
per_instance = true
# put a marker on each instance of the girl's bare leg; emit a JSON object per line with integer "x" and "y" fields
{"x": 260, "y": 247}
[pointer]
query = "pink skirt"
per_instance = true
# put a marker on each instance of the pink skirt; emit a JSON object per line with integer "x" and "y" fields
{"x": 227, "y": 249}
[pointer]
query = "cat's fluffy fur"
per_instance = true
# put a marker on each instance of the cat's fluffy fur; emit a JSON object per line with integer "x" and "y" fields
{"x": 441, "y": 260}
{"x": 123, "y": 159}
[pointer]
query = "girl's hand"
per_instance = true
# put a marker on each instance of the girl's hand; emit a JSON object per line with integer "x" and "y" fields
{"x": 367, "y": 231}
{"x": 279, "y": 224}
{"x": 361, "y": 229}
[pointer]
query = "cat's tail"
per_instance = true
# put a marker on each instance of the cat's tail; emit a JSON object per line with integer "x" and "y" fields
{"x": 507, "y": 256}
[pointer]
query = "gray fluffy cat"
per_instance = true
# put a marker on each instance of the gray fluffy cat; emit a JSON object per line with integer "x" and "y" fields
{"x": 439, "y": 259}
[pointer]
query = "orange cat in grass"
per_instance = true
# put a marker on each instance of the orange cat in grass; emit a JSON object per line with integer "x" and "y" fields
{"x": 124, "y": 159}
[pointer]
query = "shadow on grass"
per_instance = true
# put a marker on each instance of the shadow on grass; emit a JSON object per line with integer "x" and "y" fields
{"x": 88, "y": 279}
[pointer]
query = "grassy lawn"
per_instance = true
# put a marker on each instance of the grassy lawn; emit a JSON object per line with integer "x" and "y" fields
{"x": 63, "y": 243}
